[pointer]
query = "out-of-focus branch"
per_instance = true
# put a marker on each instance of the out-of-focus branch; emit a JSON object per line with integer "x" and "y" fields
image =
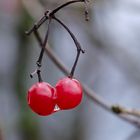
{"x": 117, "y": 110}
{"x": 126, "y": 111}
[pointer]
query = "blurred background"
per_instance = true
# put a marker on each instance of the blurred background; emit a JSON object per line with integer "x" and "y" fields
{"x": 110, "y": 66}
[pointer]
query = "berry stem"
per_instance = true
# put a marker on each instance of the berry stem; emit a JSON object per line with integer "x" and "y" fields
{"x": 42, "y": 44}
{"x": 39, "y": 76}
{"x": 78, "y": 46}
{"x": 74, "y": 65}
{"x": 39, "y": 61}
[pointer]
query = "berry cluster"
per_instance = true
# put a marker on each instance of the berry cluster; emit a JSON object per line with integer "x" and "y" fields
{"x": 43, "y": 98}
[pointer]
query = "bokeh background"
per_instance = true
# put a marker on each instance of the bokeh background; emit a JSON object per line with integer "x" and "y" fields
{"x": 110, "y": 66}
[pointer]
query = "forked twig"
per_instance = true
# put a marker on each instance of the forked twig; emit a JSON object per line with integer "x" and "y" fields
{"x": 52, "y": 13}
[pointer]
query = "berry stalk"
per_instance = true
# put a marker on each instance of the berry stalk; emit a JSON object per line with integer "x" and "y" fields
{"x": 77, "y": 44}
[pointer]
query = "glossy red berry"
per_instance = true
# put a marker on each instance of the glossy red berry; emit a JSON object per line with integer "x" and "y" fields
{"x": 41, "y": 98}
{"x": 69, "y": 93}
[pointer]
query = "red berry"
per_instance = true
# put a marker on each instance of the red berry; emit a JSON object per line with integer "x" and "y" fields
{"x": 41, "y": 98}
{"x": 69, "y": 93}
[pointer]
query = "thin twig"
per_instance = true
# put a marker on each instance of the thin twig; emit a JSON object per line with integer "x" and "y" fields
{"x": 71, "y": 34}
{"x": 43, "y": 44}
{"x": 77, "y": 44}
{"x": 48, "y": 14}
{"x": 64, "y": 5}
